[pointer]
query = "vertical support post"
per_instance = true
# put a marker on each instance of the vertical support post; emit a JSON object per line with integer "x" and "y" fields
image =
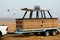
{"x": 31, "y": 14}
{"x": 37, "y": 15}
{"x": 49, "y": 14}
{"x": 25, "y": 14}
{"x": 41, "y": 14}
{"x": 44, "y": 14}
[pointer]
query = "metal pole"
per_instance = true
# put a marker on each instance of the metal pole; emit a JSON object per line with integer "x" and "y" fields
{"x": 44, "y": 14}
{"x": 41, "y": 14}
{"x": 25, "y": 14}
{"x": 37, "y": 15}
{"x": 31, "y": 14}
{"x": 49, "y": 14}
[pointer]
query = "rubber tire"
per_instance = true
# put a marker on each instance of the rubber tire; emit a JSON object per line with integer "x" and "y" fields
{"x": 47, "y": 33}
{"x": 36, "y": 34}
{"x": 54, "y": 33}
{"x": 0, "y": 33}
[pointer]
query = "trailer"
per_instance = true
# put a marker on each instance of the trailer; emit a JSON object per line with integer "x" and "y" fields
{"x": 43, "y": 25}
{"x": 42, "y": 31}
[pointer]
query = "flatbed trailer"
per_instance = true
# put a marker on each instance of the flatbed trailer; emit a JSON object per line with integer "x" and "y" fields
{"x": 38, "y": 25}
{"x": 44, "y": 31}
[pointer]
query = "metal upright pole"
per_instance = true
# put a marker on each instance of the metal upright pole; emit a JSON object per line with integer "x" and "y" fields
{"x": 37, "y": 15}
{"x": 41, "y": 14}
{"x": 25, "y": 14}
{"x": 49, "y": 14}
{"x": 31, "y": 14}
{"x": 44, "y": 14}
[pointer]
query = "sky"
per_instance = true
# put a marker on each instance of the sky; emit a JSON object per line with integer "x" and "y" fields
{"x": 15, "y": 5}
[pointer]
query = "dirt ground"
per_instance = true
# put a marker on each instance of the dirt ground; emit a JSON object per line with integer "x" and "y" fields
{"x": 29, "y": 37}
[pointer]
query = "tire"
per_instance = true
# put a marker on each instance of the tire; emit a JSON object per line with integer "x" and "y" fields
{"x": 0, "y": 33}
{"x": 47, "y": 33}
{"x": 54, "y": 33}
{"x": 36, "y": 34}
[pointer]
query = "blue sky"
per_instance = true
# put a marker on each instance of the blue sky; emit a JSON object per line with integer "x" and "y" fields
{"x": 16, "y": 5}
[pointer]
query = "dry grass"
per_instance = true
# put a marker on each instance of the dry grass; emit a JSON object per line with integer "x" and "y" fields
{"x": 27, "y": 37}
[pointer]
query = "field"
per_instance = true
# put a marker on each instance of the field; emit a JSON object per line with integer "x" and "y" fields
{"x": 29, "y": 37}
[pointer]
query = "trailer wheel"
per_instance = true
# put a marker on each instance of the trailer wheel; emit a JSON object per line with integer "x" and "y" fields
{"x": 36, "y": 34}
{"x": 54, "y": 33}
{"x": 47, "y": 33}
{"x": 0, "y": 33}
